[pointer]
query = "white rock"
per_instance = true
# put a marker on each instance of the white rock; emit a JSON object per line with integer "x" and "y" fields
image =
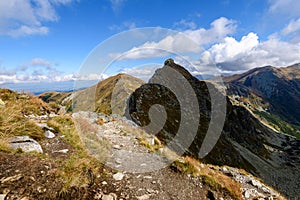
{"x": 143, "y": 197}
{"x": 61, "y": 151}
{"x": 118, "y": 161}
{"x": 52, "y": 115}
{"x": 26, "y": 144}
{"x": 43, "y": 117}
{"x": 247, "y": 194}
{"x": 107, "y": 197}
{"x": 118, "y": 176}
{"x": 150, "y": 141}
{"x": 256, "y": 183}
{"x": 117, "y": 147}
{"x": 104, "y": 183}
{"x": 49, "y": 134}
{"x": 2, "y": 196}
{"x": 110, "y": 196}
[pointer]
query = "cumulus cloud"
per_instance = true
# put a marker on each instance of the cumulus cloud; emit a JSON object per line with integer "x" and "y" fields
{"x": 219, "y": 29}
{"x": 26, "y": 17}
{"x": 231, "y": 49}
{"x": 182, "y": 42}
{"x": 232, "y": 55}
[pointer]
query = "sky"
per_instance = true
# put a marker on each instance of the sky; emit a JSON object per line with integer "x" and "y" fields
{"x": 62, "y": 40}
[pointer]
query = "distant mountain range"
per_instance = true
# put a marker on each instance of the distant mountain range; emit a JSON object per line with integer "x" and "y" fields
{"x": 261, "y": 126}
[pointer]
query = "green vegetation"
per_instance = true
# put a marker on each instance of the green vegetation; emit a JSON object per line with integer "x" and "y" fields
{"x": 279, "y": 124}
{"x": 211, "y": 177}
{"x": 13, "y": 120}
{"x": 72, "y": 169}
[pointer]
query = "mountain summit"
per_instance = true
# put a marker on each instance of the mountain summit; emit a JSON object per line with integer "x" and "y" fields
{"x": 245, "y": 142}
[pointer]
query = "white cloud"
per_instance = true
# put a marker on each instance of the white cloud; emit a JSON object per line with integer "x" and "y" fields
{"x": 86, "y": 77}
{"x": 26, "y": 17}
{"x": 220, "y": 28}
{"x": 185, "y": 24}
{"x": 63, "y": 2}
{"x": 42, "y": 70}
{"x": 40, "y": 62}
{"x": 30, "y": 78}
{"x": 292, "y": 27}
{"x": 143, "y": 72}
{"x": 117, "y": 4}
{"x": 124, "y": 26}
{"x": 232, "y": 55}
{"x": 232, "y": 49}
{"x": 182, "y": 42}
{"x": 285, "y": 7}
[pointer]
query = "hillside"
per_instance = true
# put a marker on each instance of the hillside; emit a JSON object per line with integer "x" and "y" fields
{"x": 245, "y": 142}
{"x": 98, "y": 97}
{"x": 277, "y": 88}
{"x": 55, "y": 160}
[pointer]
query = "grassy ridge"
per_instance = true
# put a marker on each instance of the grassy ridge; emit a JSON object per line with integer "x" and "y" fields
{"x": 279, "y": 124}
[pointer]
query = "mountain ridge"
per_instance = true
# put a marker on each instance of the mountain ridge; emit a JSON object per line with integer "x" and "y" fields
{"x": 244, "y": 142}
{"x": 280, "y": 87}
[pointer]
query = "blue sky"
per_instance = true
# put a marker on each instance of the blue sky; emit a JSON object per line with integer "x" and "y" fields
{"x": 51, "y": 40}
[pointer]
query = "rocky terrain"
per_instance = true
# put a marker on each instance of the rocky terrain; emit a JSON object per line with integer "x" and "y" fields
{"x": 245, "y": 142}
{"x": 51, "y": 159}
{"x": 110, "y": 142}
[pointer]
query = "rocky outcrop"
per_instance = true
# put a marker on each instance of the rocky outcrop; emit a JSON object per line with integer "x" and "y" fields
{"x": 244, "y": 142}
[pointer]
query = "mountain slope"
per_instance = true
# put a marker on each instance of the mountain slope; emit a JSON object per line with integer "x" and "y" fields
{"x": 108, "y": 96}
{"x": 278, "y": 87}
{"x": 68, "y": 168}
{"x": 245, "y": 142}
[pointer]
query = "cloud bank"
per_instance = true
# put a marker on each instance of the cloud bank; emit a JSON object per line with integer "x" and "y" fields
{"x": 27, "y": 17}
{"x": 42, "y": 70}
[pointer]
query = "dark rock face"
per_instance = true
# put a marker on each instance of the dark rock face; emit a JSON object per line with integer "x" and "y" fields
{"x": 244, "y": 142}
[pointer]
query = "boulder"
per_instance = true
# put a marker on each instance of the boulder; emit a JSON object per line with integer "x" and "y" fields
{"x": 25, "y": 143}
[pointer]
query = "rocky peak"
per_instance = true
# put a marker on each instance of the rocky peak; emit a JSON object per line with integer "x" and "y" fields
{"x": 244, "y": 142}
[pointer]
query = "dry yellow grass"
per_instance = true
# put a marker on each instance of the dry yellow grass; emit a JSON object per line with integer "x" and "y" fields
{"x": 80, "y": 161}
{"x": 212, "y": 177}
{"x": 13, "y": 121}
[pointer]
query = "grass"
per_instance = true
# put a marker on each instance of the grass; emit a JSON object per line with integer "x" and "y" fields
{"x": 74, "y": 169}
{"x": 4, "y": 147}
{"x": 214, "y": 178}
{"x": 279, "y": 124}
{"x": 13, "y": 120}
{"x": 152, "y": 147}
